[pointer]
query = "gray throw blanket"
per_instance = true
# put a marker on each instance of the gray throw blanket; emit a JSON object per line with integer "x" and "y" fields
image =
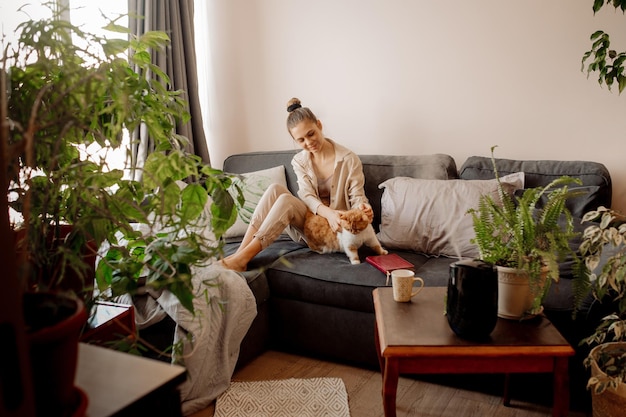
{"x": 225, "y": 308}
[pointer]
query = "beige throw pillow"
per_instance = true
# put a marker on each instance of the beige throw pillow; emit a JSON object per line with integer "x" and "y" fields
{"x": 253, "y": 185}
{"x": 430, "y": 216}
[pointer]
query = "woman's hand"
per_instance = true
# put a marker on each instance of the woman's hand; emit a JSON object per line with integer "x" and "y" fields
{"x": 367, "y": 209}
{"x": 334, "y": 220}
{"x": 333, "y": 217}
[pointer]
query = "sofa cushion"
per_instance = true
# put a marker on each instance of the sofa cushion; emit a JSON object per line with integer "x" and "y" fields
{"x": 596, "y": 181}
{"x": 380, "y": 168}
{"x": 253, "y": 185}
{"x": 255, "y": 161}
{"x": 330, "y": 279}
{"x": 431, "y": 216}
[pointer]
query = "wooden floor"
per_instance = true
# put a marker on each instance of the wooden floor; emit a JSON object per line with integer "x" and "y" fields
{"x": 454, "y": 396}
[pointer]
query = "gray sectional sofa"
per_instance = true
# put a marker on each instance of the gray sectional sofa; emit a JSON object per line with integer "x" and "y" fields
{"x": 321, "y": 305}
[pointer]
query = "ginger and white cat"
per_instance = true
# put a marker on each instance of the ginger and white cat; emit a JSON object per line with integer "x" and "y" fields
{"x": 356, "y": 230}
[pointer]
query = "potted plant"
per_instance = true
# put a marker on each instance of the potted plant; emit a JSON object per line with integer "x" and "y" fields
{"x": 603, "y": 249}
{"x": 525, "y": 240}
{"x": 604, "y": 254}
{"x": 63, "y": 90}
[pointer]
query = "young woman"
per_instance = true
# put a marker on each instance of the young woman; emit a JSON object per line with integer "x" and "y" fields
{"x": 330, "y": 180}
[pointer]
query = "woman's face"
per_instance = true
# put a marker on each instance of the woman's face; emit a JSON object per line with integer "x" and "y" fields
{"x": 308, "y": 135}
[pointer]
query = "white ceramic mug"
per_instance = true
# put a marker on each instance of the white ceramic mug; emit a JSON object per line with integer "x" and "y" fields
{"x": 402, "y": 282}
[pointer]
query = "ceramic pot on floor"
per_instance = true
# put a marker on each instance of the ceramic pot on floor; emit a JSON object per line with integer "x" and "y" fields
{"x": 610, "y": 402}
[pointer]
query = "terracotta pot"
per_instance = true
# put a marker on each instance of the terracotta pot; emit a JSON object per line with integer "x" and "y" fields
{"x": 610, "y": 402}
{"x": 515, "y": 296}
{"x": 53, "y": 350}
{"x": 81, "y": 404}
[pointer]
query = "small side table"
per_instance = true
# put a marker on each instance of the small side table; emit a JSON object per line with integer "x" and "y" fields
{"x": 121, "y": 384}
{"x": 415, "y": 338}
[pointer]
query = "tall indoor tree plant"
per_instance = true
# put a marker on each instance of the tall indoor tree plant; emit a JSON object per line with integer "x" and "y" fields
{"x": 603, "y": 60}
{"x": 64, "y": 96}
{"x": 63, "y": 90}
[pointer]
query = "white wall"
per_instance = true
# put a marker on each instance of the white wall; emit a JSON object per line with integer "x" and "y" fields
{"x": 417, "y": 77}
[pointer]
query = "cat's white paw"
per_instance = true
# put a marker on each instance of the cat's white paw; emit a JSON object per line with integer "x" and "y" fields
{"x": 355, "y": 261}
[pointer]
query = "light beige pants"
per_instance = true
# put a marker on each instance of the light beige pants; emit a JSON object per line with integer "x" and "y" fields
{"x": 278, "y": 210}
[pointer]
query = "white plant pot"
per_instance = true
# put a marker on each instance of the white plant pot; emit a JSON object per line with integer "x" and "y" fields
{"x": 515, "y": 297}
{"x": 513, "y": 293}
{"x": 610, "y": 402}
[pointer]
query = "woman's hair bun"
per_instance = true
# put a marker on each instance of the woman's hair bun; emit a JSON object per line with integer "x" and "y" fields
{"x": 293, "y": 104}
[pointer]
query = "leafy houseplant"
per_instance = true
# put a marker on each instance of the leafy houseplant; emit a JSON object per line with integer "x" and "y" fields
{"x": 517, "y": 232}
{"x": 61, "y": 90}
{"x": 603, "y": 249}
{"x": 63, "y": 96}
{"x": 608, "y": 359}
{"x": 601, "y": 58}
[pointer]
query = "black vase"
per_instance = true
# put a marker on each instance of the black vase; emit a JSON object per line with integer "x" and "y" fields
{"x": 472, "y": 302}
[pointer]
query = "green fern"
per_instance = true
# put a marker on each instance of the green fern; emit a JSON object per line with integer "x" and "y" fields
{"x": 516, "y": 233}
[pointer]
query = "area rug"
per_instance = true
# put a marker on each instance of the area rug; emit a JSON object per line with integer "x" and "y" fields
{"x": 312, "y": 397}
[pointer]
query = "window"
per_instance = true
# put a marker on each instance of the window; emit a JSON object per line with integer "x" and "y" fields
{"x": 93, "y": 16}
{"x": 83, "y": 13}
{"x": 87, "y": 14}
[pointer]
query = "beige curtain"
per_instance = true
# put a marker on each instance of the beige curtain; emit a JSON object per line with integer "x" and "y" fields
{"x": 174, "y": 17}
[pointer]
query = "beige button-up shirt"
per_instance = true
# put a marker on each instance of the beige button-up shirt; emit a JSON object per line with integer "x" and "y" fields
{"x": 347, "y": 189}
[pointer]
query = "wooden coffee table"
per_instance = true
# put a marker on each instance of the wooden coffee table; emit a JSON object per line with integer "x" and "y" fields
{"x": 415, "y": 338}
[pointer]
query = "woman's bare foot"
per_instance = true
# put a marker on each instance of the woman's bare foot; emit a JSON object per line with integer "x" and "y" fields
{"x": 232, "y": 264}
{"x": 238, "y": 261}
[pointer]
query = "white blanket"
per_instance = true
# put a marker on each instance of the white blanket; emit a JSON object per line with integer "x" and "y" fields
{"x": 225, "y": 308}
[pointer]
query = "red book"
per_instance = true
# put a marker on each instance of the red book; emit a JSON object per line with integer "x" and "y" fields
{"x": 388, "y": 263}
